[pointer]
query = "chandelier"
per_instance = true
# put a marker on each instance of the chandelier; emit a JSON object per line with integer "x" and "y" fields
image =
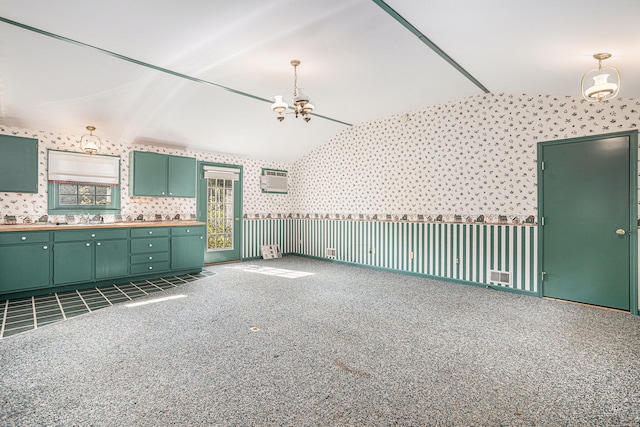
{"x": 601, "y": 89}
{"x": 301, "y": 103}
{"x": 90, "y": 143}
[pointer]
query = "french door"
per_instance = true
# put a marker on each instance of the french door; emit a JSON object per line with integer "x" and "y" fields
{"x": 220, "y": 206}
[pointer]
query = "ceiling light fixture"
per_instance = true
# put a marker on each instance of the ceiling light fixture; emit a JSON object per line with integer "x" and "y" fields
{"x": 602, "y": 89}
{"x": 301, "y": 102}
{"x": 90, "y": 143}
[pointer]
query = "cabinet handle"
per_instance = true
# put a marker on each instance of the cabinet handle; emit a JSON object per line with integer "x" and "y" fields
{"x": 45, "y": 247}
{"x": 88, "y": 244}
{"x": 150, "y": 258}
{"x": 200, "y": 237}
{"x": 93, "y": 235}
{"x": 99, "y": 244}
{"x": 23, "y": 238}
{"x": 150, "y": 245}
{"x": 171, "y": 194}
{"x": 150, "y": 232}
{"x": 188, "y": 230}
{"x": 162, "y": 193}
{"x": 150, "y": 268}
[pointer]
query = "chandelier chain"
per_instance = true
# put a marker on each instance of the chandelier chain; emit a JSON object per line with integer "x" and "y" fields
{"x": 295, "y": 81}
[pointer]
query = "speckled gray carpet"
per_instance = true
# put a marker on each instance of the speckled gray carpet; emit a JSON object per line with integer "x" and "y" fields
{"x": 344, "y": 346}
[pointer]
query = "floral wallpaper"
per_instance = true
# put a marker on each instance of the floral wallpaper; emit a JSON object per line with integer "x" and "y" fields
{"x": 467, "y": 160}
{"x": 35, "y": 205}
{"x": 456, "y": 161}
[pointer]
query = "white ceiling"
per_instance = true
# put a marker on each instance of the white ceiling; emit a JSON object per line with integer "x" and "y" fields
{"x": 358, "y": 63}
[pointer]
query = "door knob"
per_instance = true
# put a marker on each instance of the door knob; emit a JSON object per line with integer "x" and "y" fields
{"x": 620, "y": 232}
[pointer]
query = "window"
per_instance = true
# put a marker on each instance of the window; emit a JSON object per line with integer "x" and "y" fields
{"x": 84, "y": 195}
{"x": 220, "y": 214}
{"x": 71, "y": 198}
{"x": 83, "y": 184}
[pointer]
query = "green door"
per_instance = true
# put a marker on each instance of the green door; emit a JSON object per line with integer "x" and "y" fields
{"x": 586, "y": 246}
{"x": 220, "y": 205}
{"x": 72, "y": 262}
{"x": 112, "y": 258}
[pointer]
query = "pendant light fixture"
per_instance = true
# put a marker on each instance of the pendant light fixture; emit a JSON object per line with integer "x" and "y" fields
{"x": 596, "y": 86}
{"x": 301, "y": 103}
{"x": 90, "y": 143}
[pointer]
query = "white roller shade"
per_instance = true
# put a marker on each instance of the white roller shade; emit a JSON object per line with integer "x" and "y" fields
{"x": 218, "y": 172}
{"x": 83, "y": 169}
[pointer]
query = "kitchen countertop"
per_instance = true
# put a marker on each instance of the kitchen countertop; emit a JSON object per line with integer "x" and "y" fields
{"x": 50, "y": 226}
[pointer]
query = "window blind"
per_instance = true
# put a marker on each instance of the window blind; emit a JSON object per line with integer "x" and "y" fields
{"x": 216, "y": 172}
{"x": 77, "y": 168}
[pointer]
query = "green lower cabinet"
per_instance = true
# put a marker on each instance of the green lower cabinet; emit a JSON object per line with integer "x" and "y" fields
{"x": 24, "y": 267}
{"x": 112, "y": 259}
{"x": 187, "y": 252}
{"x": 72, "y": 262}
{"x": 99, "y": 255}
{"x": 149, "y": 250}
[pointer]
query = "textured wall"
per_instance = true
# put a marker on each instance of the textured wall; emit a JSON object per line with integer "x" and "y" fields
{"x": 469, "y": 157}
{"x": 34, "y": 205}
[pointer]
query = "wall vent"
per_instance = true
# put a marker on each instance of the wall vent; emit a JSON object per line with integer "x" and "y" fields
{"x": 274, "y": 181}
{"x": 500, "y": 277}
{"x": 331, "y": 253}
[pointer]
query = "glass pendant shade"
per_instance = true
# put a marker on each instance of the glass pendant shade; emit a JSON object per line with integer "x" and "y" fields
{"x": 301, "y": 98}
{"x": 602, "y": 83}
{"x": 602, "y": 89}
{"x": 90, "y": 143}
{"x": 279, "y": 106}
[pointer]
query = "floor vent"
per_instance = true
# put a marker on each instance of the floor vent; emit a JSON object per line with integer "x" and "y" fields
{"x": 331, "y": 253}
{"x": 500, "y": 277}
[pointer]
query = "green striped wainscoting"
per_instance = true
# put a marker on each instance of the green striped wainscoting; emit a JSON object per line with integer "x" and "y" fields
{"x": 259, "y": 232}
{"x": 462, "y": 252}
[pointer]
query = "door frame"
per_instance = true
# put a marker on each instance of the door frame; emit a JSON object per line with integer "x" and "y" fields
{"x": 633, "y": 208}
{"x": 202, "y": 195}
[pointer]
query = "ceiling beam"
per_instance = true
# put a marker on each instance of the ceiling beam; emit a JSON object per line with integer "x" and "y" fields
{"x": 151, "y": 66}
{"x": 395, "y": 15}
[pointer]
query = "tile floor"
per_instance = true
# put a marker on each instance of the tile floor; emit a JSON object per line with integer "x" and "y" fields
{"x": 23, "y": 314}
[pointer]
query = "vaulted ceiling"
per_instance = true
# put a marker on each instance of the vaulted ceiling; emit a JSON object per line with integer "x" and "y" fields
{"x": 202, "y": 74}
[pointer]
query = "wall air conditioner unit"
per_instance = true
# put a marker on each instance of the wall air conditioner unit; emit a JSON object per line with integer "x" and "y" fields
{"x": 273, "y": 181}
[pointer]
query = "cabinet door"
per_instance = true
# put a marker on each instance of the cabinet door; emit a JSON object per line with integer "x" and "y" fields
{"x": 149, "y": 177}
{"x": 72, "y": 262}
{"x": 112, "y": 259}
{"x": 24, "y": 267}
{"x": 182, "y": 176}
{"x": 187, "y": 252}
{"x": 18, "y": 164}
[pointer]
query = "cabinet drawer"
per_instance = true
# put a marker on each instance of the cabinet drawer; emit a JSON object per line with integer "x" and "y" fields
{"x": 149, "y": 231}
{"x": 147, "y": 258}
{"x": 90, "y": 234}
{"x": 150, "y": 244}
{"x": 187, "y": 231}
{"x": 13, "y": 237}
{"x": 150, "y": 267}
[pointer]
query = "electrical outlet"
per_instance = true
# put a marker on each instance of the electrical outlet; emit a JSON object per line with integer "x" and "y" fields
{"x": 411, "y": 254}
{"x": 372, "y": 251}
{"x": 457, "y": 260}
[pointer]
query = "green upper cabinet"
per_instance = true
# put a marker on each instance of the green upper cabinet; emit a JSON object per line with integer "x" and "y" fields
{"x": 159, "y": 175}
{"x": 19, "y": 164}
{"x": 182, "y": 176}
